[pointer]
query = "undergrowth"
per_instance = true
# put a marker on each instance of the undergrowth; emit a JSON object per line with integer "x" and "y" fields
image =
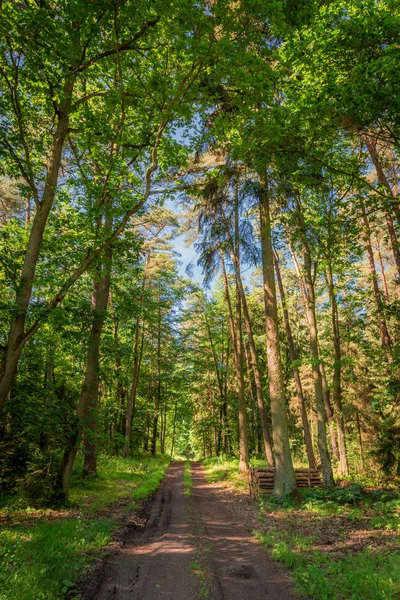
{"x": 43, "y": 552}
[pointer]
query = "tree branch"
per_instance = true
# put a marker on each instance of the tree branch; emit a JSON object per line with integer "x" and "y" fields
{"x": 128, "y": 45}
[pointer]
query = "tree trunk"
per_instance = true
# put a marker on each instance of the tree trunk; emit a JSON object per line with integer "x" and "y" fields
{"x": 243, "y": 429}
{"x": 254, "y": 363}
{"x": 325, "y": 390}
{"x": 153, "y": 446}
{"x": 327, "y": 473}
{"x": 138, "y": 353}
{"x": 27, "y": 212}
{"x": 382, "y": 267}
{"x": 85, "y": 418}
{"x": 120, "y": 392}
{"x": 384, "y": 333}
{"x": 235, "y": 328}
{"x": 16, "y": 336}
{"x": 174, "y": 430}
{"x": 90, "y": 392}
{"x": 337, "y": 372}
{"x": 296, "y": 374}
{"x": 383, "y": 182}
{"x": 88, "y": 396}
{"x": 360, "y": 443}
{"x": 147, "y": 433}
{"x": 216, "y": 366}
{"x": 157, "y": 395}
{"x": 285, "y": 481}
{"x": 253, "y": 403}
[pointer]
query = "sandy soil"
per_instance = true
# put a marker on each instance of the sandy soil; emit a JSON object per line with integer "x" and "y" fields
{"x": 187, "y": 548}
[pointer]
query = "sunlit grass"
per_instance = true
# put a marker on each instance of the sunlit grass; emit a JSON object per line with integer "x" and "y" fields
{"x": 366, "y": 575}
{"x": 41, "y": 559}
{"x": 221, "y": 469}
{"x": 187, "y": 479}
{"x": 115, "y": 480}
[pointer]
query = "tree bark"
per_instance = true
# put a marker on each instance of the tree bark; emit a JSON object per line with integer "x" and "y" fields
{"x": 360, "y": 443}
{"x": 384, "y": 333}
{"x": 16, "y": 335}
{"x": 238, "y": 359}
{"x": 254, "y": 363}
{"x": 337, "y": 372}
{"x": 384, "y": 281}
{"x": 285, "y": 481}
{"x": 174, "y": 430}
{"x": 157, "y": 394}
{"x": 327, "y": 473}
{"x": 138, "y": 353}
{"x": 243, "y": 428}
{"x": 90, "y": 392}
{"x": 296, "y": 374}
{"x": 383, "y": 182}
{"x": 253, "y": 426}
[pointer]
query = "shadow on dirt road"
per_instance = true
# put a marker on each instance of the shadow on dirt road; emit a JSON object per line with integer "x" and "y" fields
{"x": 187, "y": 548}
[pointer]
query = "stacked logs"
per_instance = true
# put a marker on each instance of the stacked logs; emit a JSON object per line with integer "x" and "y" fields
{"x": 261, "y": 480}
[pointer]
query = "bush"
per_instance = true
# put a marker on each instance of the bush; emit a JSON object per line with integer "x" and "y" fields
{"x": 38, "y": 485}
{"x": 14, "y": 458}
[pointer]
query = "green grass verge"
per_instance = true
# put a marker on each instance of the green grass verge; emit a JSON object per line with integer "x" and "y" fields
{"x": 370, "y": 573}
{"x": 366, "y": 575}
{"x": 187, "y": 479}
{"x": 41, "y": 558}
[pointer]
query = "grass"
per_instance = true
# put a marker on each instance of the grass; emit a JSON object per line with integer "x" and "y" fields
{"x": 220, "y": 469}
{"x": 43, "y": 552}
{"x": 199, "y": 570}
{"x": 366, "y": 575}
{"x": 352, "y": 551}
{"x": 340, "y": 544}
{"x": 187, "y": 479}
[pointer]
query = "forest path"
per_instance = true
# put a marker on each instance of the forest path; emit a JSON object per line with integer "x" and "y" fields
{"x": 188, "y": 548}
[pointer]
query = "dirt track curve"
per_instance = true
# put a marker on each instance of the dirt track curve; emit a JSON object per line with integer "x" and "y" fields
{"x": 188, "y": 548}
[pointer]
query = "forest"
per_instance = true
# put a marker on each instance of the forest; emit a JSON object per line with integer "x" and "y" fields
{"x": 199, "y": 244}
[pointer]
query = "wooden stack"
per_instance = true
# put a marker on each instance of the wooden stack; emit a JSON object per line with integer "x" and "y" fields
{"x": 261, "y": 480}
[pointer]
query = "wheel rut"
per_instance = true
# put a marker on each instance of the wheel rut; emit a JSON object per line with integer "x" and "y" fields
{"x": 187, "y": 548}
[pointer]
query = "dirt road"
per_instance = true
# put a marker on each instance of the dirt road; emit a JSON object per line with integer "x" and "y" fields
{"x": 188, "y": 548}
